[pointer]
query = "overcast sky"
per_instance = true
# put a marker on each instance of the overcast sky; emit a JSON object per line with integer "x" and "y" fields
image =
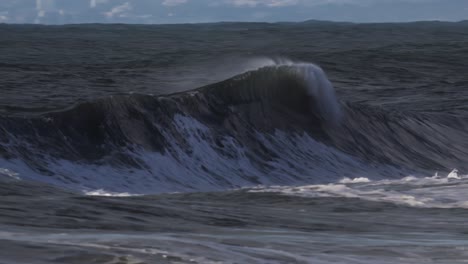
{"x": 192, "y": 11}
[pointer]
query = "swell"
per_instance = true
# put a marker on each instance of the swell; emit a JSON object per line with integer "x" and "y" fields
{"x": 434, "y": 142}
{"x": 276, "y": 125}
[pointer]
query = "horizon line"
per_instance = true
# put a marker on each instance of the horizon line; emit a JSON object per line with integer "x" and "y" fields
{"x": 244, "y": 22}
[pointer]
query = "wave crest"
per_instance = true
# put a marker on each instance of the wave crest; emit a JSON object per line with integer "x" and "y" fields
{"x": 299, "y": 86}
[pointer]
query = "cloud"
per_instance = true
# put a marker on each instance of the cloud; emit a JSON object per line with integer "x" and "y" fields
{"x": 182, "y": 11}
{"x": 270, "y": 3}
{"x": 283, "y": 3}
{"x": 173, "y": 2}
{"x": 278, "y": 3}
{"x": 250, "y": 3}
{"x": 119, "y": 10}
{"x": 94, "y": 3}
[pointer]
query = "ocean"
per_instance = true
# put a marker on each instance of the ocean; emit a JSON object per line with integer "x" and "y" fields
{"x": 313, "y": 142}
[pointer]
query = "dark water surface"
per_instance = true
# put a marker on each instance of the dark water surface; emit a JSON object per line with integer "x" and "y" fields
{"x": 51, "y": 67}
{"x": 234, "y": 143}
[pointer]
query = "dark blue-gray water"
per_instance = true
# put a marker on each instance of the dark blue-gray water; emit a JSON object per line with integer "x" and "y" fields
{"x": 234, "y": 143}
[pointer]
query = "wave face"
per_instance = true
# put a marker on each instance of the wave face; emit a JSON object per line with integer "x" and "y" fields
{"x": 278, "y": 125}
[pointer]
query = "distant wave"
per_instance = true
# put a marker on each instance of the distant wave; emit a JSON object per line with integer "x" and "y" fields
{"x": 278, "y": 125}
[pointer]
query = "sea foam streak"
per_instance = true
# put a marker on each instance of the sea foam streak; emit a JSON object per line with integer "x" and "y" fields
{"x": 428, "y": 192}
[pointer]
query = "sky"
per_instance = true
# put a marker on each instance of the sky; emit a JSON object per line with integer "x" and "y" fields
{"x": 196, "y": 11}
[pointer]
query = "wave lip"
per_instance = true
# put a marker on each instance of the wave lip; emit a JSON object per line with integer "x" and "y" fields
{"x": 299, "y": 86}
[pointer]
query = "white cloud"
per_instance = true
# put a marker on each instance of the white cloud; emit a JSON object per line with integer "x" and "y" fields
{"x": 244, "y": 2}
{"x": 270, "y": 3}
{"x": 282, "y": 3}
{"x": 278, "y": 3}
{"x": 94, "y": 3}
{"x": 119, "y": 10}
{"x": 173, "y": 2}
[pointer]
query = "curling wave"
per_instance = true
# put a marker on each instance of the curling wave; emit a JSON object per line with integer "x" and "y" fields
{"x": 278, "y": 125}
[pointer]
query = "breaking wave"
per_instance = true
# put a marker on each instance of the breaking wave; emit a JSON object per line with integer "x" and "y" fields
{"x": 278, "y": 125}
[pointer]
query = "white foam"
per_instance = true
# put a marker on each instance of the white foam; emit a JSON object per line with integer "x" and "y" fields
{"x": 430, "y": 192}
{"x": 104, "y": 193}
{"x": 9, "y": 174}
{"x": 453, "y": 175}
{"x": 355, "y": 180}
